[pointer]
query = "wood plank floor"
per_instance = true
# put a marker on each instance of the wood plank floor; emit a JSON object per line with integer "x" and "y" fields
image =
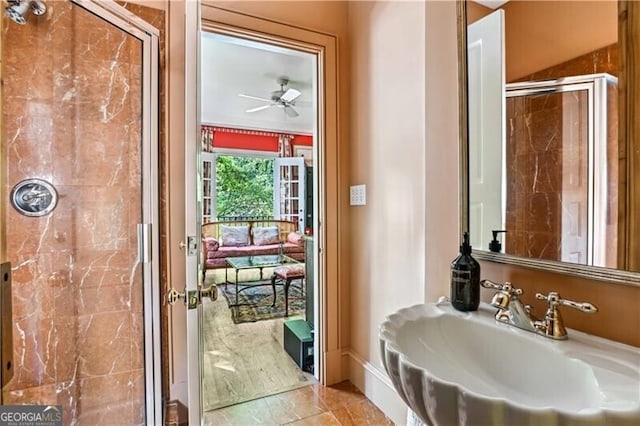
{"x": 245, "y": 361}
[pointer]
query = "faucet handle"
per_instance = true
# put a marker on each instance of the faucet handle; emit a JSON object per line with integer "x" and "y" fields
{"x": 552, "y": 325}
{"x": 554, "y": 300}
{"x": 506, "y": 292}
{"x": 506, "y": 287}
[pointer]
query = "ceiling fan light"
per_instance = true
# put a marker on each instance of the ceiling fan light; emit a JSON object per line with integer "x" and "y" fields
{"x": 290, "y": 95}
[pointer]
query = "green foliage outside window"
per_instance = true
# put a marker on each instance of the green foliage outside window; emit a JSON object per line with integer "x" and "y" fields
{"x": 244, "y": 187}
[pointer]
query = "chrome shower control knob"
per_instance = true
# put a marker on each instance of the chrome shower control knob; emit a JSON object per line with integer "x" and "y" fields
{"x": 34, "y": 197}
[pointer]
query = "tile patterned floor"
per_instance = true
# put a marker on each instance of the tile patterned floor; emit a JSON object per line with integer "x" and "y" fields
{"x": 341, "y": 404}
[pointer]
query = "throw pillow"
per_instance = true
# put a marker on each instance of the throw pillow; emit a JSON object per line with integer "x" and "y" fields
{"x": 295, "y": 238}
{"x": 266, "y": 235}
{"x": 234, "y": 236}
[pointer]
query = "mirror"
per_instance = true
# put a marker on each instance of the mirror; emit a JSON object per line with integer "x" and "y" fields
{"x": 553, "y": 173}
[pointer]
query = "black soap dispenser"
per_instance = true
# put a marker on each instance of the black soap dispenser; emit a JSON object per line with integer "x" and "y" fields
{"x": 465, "y": 279}
{"x": 495, "y": 245}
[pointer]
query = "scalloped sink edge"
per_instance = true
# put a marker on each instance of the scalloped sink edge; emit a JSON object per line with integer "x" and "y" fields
{"x": 454, "y": 367}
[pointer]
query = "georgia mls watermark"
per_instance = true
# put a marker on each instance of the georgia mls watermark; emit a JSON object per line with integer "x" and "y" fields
{"x": 30, "y": 415}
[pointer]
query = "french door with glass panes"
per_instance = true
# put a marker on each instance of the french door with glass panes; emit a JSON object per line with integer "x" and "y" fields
{"x": 289, "y": 190}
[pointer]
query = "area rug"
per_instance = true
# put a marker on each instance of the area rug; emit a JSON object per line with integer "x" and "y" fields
{"x": 255, "y": 302}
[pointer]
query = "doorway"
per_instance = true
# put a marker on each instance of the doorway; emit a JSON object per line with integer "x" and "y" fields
{"x": 259, "y": 133}
{"x": 327, "y": 274}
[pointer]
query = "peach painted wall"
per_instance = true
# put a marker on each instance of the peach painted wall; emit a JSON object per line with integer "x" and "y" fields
{"x": 575, "y": 28}
{"x": 388, "y": 151}
{"x": 404, "y": 147}
{"x": 324, "y": 16}
{"x": 476, "y": 11}
{"x": 72, "y": 116}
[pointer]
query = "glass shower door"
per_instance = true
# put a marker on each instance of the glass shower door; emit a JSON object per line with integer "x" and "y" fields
{"x": 561, "y": 170}
{"x": 547, "y": 153}
{"x": 75, "y": 114}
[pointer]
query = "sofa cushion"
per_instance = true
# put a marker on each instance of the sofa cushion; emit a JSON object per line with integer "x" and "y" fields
{"x": 293, "y": 271}
{"x": 234, "y": 236}
{"x": 265, "y": 235}
{"x": 225, "y": 251}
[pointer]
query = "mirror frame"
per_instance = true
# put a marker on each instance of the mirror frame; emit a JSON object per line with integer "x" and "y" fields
{"x": 627, "y": 13}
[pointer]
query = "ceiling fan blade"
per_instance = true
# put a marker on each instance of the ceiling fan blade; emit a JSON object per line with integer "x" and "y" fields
{"x": 290, "y": 111}
{"x": 289, "y": 95}
{"x": 260, "y": 108}
{"x": 242, "y": 95}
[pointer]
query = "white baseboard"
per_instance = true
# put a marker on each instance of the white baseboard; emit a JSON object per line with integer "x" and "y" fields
{"x": 375, "y": 385}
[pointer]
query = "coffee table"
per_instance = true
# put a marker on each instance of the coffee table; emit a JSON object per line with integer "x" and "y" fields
{"x": 253, "y": 262}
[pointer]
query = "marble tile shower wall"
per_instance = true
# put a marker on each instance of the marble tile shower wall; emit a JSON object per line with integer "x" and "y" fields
{"x": 72, "y": 116}
{"x": 534, "y": 152}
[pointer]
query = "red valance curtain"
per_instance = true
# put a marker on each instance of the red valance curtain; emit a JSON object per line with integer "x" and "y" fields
{"x": 224, "y": 137}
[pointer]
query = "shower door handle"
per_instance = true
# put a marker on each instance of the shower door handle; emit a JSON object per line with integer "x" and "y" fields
{"x": 144, "y": 245}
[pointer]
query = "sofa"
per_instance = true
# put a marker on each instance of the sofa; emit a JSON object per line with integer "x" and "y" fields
{"x": 236, "y": 238}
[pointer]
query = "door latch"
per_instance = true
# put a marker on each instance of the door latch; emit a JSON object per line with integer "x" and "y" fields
{"x": 192, "y": 298}
{"x": 192, "y": 245}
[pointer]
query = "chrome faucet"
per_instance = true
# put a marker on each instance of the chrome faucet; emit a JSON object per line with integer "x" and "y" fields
{"x": 511, "y": 310}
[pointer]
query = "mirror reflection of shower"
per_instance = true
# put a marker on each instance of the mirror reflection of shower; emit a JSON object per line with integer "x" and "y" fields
{"x": 17, "y": 9}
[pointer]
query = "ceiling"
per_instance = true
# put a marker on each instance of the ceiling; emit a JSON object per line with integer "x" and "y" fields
{"x": 232, "y": 66}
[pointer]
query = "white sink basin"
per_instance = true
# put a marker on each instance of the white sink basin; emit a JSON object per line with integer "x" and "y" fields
{"x": 453, "y": 367}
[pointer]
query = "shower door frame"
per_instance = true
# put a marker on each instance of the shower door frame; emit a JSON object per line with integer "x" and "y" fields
{"x": 148, "y": 230}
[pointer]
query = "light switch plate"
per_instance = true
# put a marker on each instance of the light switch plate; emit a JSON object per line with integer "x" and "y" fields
{"x": 358, "y": 195}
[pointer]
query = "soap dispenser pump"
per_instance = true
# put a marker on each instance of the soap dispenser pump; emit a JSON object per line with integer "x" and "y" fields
{"x": 495, "y": 245}
{"x": 465, "y": 279}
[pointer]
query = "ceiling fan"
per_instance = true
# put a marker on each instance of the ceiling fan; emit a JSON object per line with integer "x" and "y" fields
{"x": 284, "y": 98}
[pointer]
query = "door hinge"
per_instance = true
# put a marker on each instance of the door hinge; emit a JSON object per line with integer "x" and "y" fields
{"x": 192, "y": 298}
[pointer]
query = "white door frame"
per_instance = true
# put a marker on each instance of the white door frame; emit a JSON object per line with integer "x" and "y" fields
{"x": 193, "y": 210}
